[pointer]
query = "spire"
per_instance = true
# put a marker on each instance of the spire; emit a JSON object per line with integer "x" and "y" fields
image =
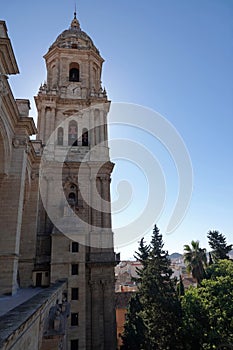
{"x": 75, "y": 23}
{"x": 75, "y": 10}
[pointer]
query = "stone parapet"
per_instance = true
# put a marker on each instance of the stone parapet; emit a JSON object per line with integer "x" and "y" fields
{"x": 28, "y": 325}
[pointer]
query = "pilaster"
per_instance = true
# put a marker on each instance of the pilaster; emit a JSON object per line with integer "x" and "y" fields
{"x": 12, "y": 200}
{"x": 29, "y": 230}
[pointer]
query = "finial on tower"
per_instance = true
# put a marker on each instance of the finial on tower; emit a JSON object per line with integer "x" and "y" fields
{"x": 75, "y": 10}
{"x": 75, "y": 22}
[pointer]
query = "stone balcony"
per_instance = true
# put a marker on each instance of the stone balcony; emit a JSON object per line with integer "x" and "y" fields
{"x": 73, "y": 90}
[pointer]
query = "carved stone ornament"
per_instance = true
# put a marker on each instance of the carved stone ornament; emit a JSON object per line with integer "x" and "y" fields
{"x": 16, "y": 143}
{"x": 34, "y": 175}
{"x": 21, "y": 142}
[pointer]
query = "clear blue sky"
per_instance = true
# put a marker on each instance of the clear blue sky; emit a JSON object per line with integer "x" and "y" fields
{"x": 174, "y": 56}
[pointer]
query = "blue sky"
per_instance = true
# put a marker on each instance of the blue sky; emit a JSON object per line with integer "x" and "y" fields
{"x": 173, "y": 56}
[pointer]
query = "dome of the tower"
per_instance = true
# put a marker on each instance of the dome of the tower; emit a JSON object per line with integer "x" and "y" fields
{"x": 74, "y": 38}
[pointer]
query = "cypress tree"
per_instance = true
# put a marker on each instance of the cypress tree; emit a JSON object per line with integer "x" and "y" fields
{"x": 161, "y": 310}
{"x": 217, "y": 242}
{"x": 142, "y": 256}
{"x": 180, "y": 287}
{"x": 155, "y": 317}
{"x": 134, "y": 330}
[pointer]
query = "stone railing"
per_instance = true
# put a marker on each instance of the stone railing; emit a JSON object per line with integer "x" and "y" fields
{"x": 28, "y": 326}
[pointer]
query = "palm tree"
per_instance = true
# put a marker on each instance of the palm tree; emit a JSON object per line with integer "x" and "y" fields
{"x": 195, "y": 260}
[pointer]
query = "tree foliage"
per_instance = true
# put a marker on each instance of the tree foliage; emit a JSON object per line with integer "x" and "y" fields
{"x": 180, "y": 287}
{"x": 196, "y": 260}
{"x": 160, "y": 305}
{"x": 217, "y": 242}
{"x": 161, "y": 316}
{"x": 142, "y": 256}
{"x": 194, "y": 320}
{"x": 208, "y": 310}
{"x": 134, "y": 329}
{"x": 210, "y": 262}
{"x": 161, "y": 308}
{"x": 221, "y": 268}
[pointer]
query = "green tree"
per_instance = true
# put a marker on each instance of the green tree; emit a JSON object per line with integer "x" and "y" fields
{"x": 180, "y": 287}
{"x": 195, "y": 260}
{"x": 134, "y": 330}
{"x": 158, "y": 315}
{"x": 217, "y": 242}
{"x": 142, "y": 256}
{"x": 210, "y": 260}
{"x": 221, "y": 268}
{"x": 194, "y": 320}
{"x": 217, "y": 295}
{"x": 161, "y": 310}
{"x": 207, "y": 311}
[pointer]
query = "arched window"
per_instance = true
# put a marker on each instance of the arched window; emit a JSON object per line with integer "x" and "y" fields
{"x": 72, "y": 198}
{"x": 60, "y": 136}
{"x": 74, "y": 72}
{"x": 73, "y": 133}
{"x": 85, "y": 137}
{"x": 72, "y": 194}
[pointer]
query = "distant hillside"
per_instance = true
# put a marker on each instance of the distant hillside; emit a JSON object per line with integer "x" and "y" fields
{"x": 175, "y": 256}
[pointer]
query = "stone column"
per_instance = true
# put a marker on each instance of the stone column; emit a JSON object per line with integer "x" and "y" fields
{"x": 51, "y": 201}
{"x": 42, "y": 124}
{"x": 100, "y": 205}
{"x": 92, "y": 129}
{"x": 97, "y": 127}
{"x": 11, "y": 203}
{"x": 28, "y": 232}
{"x": 101, "y": 127}
{"x": 48, "y": 113}
{"x": 105, "y": 130}
{"x": 109, "y": 314}
{"x": 52, "y": 126}
{"x": 105, "y": 193}
{"x": 97, "y": 316}
{"x": 93, "y": 202}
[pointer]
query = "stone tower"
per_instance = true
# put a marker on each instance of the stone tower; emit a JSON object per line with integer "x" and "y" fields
{"x": 74, "y": 238}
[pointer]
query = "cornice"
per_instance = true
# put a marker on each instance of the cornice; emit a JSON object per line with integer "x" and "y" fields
{"x": 7, "y": 58}
{"x": 71, "y": 52}
{"x": 27, "y": 123}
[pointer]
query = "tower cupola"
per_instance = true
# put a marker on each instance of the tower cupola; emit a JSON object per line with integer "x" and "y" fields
{"x": 74, "y": 66}
{"x": 74, "y": 36}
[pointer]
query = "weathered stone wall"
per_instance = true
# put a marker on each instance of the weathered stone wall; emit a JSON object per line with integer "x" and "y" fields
{"x": 25, "y": 327}
{"x": 15, "y": 130}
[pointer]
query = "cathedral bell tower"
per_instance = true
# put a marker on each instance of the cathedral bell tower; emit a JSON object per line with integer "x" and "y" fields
{"x": 75, "y": 239}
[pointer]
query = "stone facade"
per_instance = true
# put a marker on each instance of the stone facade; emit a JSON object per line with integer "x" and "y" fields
{"x": 55, "y": 217}
{"x": 17, "y": 158}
